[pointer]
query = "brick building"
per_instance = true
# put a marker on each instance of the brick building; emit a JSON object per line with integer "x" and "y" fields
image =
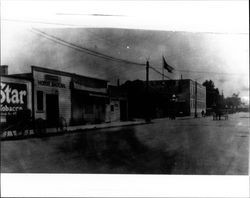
{"x": 184, "y": 96}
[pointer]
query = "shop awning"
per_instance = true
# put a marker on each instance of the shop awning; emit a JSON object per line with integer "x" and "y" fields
{"x": 77, "y": 86}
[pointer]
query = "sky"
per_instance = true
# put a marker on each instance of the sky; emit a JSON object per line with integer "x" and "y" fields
{"x": 202, "y": 41}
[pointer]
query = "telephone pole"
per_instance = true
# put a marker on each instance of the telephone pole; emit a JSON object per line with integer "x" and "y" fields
{"x": 195, "y": 104}
{"x": 162, "y": 73}
{"x": 147, "y": 76}
{"x": 147, "y": 116}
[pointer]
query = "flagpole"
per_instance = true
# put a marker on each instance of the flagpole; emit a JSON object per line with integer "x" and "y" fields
{"x": 162, "y": 72}
{"x": 147, "y": 116}
{"x": 162, "y": 69}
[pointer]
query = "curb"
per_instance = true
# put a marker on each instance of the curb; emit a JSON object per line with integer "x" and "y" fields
{"x": 78, "y": 130}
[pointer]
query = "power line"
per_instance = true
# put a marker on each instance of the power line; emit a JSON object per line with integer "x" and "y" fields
{"x": 83, "y": 49}
{"x": 107, "y": 57}
{"x": 40, "y": 22}
{"x": 159, "y": 72}
{"x": 92, "y": 52}
{"x": 80, "y": 14}
{"x": 219, "y": 73}
{"x": 179, "y": 31}
{"x": 104, "y": 56}
{"x": 88, "y": 51}
{"x": 68, "y": 45}
{"x": 208, "y": 72}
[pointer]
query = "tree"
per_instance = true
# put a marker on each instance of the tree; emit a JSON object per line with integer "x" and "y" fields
{"x": 233, "y": 102}
{"x": 212, "y": 94}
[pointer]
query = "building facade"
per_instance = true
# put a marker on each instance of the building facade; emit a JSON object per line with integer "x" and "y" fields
{"x": 89, "y": 100}
{"x": 54, "y": 95}
{"x": 184, "y": 97}
{"x": 197, "y": 97}
{"x": 74, "y": 98}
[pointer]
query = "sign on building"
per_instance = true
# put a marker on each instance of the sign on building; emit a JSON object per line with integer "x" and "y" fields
{"x": 13, "y": 97}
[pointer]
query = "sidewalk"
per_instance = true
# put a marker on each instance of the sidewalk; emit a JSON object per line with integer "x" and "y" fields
{"x": 83, "y": 127}
{"x": 99, "y": 126}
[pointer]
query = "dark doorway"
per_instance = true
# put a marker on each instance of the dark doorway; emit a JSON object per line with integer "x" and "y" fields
{"x": 123, "y": 110}
{"x": 52, "y": 110}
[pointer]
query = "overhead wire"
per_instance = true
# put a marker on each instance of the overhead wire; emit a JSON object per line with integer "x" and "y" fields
{"x": 157, "y": 71}
{"x": 206, "y": 72}
{"x": 128, "y": 62}
{"x": 88, "y": 51}
{"x": 40, "y": 22}
{"x": 108, "y": 57}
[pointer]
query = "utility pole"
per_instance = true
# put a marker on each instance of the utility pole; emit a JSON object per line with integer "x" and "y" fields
{"x": 147, "y": 117}
{"x": 162, "y": 73}
{"x": 147, "y": 75}
{"x": 195, "y": 104}
{"x": 118, "y": 82}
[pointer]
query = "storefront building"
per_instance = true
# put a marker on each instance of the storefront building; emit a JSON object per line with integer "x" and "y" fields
{"x": 52, "y": 95}
{"x": 89, "y": 98}
{"x": 73, "y": 98}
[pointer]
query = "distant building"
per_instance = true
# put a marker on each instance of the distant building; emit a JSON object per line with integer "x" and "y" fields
{"x": 185, "y": 96}
{"x": 165, "y": 98}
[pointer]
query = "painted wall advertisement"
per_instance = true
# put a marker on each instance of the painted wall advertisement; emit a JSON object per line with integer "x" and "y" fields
{"x": 13, "y": 97}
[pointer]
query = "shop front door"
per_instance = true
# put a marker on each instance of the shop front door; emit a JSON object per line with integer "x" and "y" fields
{"x": 52, "y": 110}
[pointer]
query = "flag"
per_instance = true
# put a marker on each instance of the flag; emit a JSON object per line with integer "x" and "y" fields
{"x": 167, "y": 66}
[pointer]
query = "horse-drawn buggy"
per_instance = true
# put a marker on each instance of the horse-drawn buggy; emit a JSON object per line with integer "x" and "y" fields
{"x": 219, "y": 113}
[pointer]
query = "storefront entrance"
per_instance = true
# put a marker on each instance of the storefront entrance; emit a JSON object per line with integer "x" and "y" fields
{"x": 87, "y": 108}
{"x": 52, "y": 109}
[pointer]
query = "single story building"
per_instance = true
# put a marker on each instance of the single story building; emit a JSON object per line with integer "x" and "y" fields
{"x": 54, "y": 95}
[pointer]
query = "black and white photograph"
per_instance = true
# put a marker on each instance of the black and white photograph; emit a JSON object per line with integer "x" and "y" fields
{"x": 125, "y": 88}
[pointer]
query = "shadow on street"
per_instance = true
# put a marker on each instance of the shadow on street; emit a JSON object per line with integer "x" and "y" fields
{"x": 119, "y": 152}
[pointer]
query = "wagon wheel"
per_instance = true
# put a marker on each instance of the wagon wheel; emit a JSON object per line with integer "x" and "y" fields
{"x": 40, "y": 126}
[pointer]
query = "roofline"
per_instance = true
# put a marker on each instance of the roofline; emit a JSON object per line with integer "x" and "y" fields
{"x": 171, "y": 79}
{"x": 177, "y": 80}
{"x": 16, "y": 77}
{"x": 58, "y": 72}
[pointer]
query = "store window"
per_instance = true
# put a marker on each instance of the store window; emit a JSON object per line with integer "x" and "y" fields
{"x": 39, "y": 96}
